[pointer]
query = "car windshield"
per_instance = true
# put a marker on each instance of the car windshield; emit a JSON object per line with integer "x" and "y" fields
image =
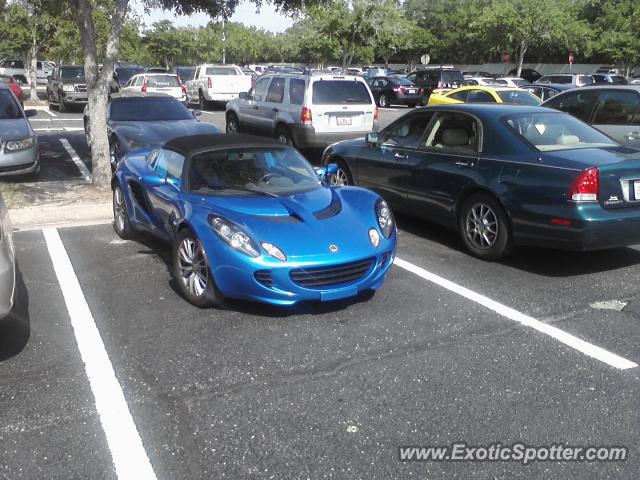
{"x": 9, "y": 108}
{"x": 337, "y": 92}
{"x": 124, "y": 74}
{"x": 402, "y": 81}
{"x": 275, "y": 171}
{"x": 556, "y": 131}
{"x": 72, "y": 72}
{"x": 518, "y": 97}
{"x": 162, "y": 81}
{"x": 148, "y": 109}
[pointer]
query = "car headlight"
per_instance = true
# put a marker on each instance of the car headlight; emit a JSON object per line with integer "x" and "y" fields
{"x": 17, "y": 145}
{"x": 233, "y": 236}
{"x": 274, "y": 251}
{"x": 67, "y": 88}
{"x": 385, "y": 218}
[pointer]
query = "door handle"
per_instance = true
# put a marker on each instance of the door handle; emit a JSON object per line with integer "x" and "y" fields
{"x": 399, "y": 156}
{"x": 463, "y": 164}
{"x": 632, "y": 136}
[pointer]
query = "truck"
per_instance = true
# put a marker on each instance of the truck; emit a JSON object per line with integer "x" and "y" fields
{"x": 216, "y": 84}
{"x": 16, "y": 69}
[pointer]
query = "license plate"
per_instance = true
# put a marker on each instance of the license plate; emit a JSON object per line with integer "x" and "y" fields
{"x": 636, "y": 189}
{"x": 343, "y": 120}
{"x": 412, "y": 90}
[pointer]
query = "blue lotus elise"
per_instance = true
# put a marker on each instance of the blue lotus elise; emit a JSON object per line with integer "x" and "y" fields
{"x": 249, "y": 218}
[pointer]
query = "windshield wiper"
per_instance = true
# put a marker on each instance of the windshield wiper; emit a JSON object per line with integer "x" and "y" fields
{"x": 244, "y": 189}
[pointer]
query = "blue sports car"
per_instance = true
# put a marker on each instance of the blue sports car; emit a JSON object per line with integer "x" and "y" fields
{"x": 249, "y": 218}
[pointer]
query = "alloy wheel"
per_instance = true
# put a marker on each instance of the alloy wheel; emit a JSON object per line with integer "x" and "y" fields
{"x": 340, "y": 178}
{"x": 119, "y": 211}
{"x": 194, "y": 272}
{"x": 481, "y": 226}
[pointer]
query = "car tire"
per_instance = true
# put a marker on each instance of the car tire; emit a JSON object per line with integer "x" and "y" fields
{"x": 283, "y": 135}
{"x": 202, "y": 103}
{"x": 383, "y": 101}
{"x": 121, "y": 223}
{"x": 412, "y": 105}
{"x": 114, "y": 154}
{"x": 87, "y": 131}
{"x": 191, "y": 271}
{"x": 484, "y": 227}
{"x": 233, "y": 124}
{"x": 51, "y": 105}
{"x": 343, "y": 175}
{"x": 62, "y": 108}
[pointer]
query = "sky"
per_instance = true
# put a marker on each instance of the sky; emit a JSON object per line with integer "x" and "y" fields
{"x": 267, "y": 19}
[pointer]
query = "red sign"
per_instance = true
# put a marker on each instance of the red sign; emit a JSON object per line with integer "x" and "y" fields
{"x": 571, "y": 58}
{"x": 506, "y": 58}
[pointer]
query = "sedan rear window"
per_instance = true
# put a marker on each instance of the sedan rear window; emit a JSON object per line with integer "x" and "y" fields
{"x": 556, "y": 131}
{"x": 517, "y": 97}
{"x": 148, "y": 109}
{"x": 160, "y": 81}
{"x": 338, "y": 92}
{"x": 221, "y": 71}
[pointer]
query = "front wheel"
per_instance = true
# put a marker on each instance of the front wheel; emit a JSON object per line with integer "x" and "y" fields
{"x": 121, "y": 223}
{"x": 284, "y": 136}
{"x": 382, "y": 101}
{"x": 484, "y": 227}
{"x": 233, "y": 125}
{"x": 191, "y": 271}
{"x": 343, "y": 176}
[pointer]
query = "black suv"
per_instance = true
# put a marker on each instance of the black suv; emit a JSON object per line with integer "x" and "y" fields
{"x": 432, "y": 78}
{"x": 66, "y": 87}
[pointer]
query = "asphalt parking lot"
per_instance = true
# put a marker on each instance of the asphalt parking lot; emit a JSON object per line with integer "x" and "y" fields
{"x": 539, "y": 349}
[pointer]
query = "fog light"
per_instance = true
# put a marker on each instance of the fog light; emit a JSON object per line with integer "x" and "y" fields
{"x": 374, "y": 237}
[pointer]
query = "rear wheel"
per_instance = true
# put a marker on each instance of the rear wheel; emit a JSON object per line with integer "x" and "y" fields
{"x": 202, "y": 103}
{"x": 343, "y": 175}
{"x": 121, "y": 222}
{"x": 412, "y": 104}
{"x": 191, "y": 271}
{"x": 283, "y": 135}
{"x": 484, "y": 227}
{"x": 383, "y": 101}
{"x": 233, "y": 125}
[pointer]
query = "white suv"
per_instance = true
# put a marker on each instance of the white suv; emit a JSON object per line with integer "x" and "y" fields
{"x": 304, "y": 110}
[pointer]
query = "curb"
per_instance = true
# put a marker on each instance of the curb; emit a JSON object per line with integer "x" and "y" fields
{"x": 63, "y": 215}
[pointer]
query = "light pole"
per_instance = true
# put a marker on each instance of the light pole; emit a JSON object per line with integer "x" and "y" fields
{"x": 224, "y": 44}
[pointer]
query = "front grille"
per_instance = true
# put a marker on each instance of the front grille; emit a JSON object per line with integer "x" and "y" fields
{"x": 264, "y": 277}
{"x": 333, "y": 275}
{"x": 80, "y": 87}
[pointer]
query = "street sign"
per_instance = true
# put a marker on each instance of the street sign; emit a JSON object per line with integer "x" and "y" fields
{"x": 506, "y": 58}
{"x": 425, "y": 59}
{"x": 571, "y": 59}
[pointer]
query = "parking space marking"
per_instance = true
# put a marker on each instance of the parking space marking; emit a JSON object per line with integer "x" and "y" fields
{"x": 127, "y": 452}
{"x": 49, "y": 112}
{"x": 571, "y": 341}
{"x": 86, "y": 174}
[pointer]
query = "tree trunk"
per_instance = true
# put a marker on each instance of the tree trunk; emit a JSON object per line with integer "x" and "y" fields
{"x": 33, "y": 63}
{"x": 521, "y": 53}
{"x": 98, "y": 82}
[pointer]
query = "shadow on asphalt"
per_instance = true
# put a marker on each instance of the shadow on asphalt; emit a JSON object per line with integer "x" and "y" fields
{"x": 15, "y": 328}
{"x": 539, "y": 261}
{"x": 164, "y": 251}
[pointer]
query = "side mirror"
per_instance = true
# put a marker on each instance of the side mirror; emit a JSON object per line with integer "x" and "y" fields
{"x": 31, "y": 112}
{"x": 332, "y": 169}
{"x": 174, "y": 182}
{"x": 243, "y": 95}
{"x": 153, "y": 180}
{"x": 324, "y": 172}
{"x": 372, "y": 137}
{"x": 196, "y": 113}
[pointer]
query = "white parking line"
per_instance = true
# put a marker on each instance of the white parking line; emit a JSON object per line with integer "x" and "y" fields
{"x": 127, "y": 452}
{"x": 86, "y": 174}
{"x": 574, "y": 342}
{"x": 49, "y": 112}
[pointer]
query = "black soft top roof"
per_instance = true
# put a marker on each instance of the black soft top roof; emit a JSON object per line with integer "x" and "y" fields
{"x": 193, "y": 143}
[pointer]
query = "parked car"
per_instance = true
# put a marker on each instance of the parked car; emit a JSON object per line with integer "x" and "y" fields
{"x": 184, "y": 72}
{"x": 613, "y": 110}
{"x": 484, "y": 81}
{"x": 19, "y": 153}
{"x": 569, "y": 79}
{"x": 16, "y": 69}
{"x": 515, "y": 81}
{"x": 389, "y": 91}
{"x": 249, "y": 218}
{"x": 252, "y": 74}
{"x": 304, "y": 111}
{"x": 14, "y": 86}
{"x": 502, "y": 176}
{"x": 479, "y": 94}
{"x": 609, "y": 78}
{"x": 138, "y": 120}
{"x": 166, "y": 83}
{"x": 543, "y": 92}
{"x": 67, "y": 88}
{"x": 122, "y": 75}
{"x": 436, "y": 78}
{"x": 156, "y": 70}
{"x": 7, "y": 261}
{"x": 478, "y": 73}
{"x": 216, "y": 83}
{"x": 529, "y": 74}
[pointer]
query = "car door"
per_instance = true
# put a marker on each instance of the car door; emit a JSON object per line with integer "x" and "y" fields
{"x": 445, "y": 165}
{"x": 163, "y": 195}
{"x": 249, "y": 113}
{"x": 192, "y": 88}
{"x": 579, "y": 103}
{"x": 617, "y": 114}
{"x": 270, "y": 108}
{"x": 480, "y": 96}
{"x": 383, "y": 166}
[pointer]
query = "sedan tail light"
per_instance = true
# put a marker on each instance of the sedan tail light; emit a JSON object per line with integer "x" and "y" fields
{"x": 397, "y": 89}
{"x": 144, "y": 87}
{"x": 209, "y": 85}
{"x": 305, "y": 116}
{"x": 585, "y": 186}
{"x": 376, "y": 114}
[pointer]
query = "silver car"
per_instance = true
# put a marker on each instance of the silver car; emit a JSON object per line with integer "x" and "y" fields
{"x": 18, "y": 143}
{"x": 7, "y": 262}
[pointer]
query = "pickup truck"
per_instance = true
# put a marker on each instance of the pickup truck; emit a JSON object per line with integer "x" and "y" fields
{"x": 216, "y": 83}
{"x": 15, "y": 68}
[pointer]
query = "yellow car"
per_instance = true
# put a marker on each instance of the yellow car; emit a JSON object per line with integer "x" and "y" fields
{"x": 480, "y": 94}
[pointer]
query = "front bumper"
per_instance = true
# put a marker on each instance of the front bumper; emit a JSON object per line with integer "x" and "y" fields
{"x": 74, "y": 98}
{"x": 7, "y": 270}
{"x": 305, "y": 136}
{"x": 19, "y": 163}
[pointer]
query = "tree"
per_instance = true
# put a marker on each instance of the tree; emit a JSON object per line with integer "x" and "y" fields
{"x": 516, "y": 26}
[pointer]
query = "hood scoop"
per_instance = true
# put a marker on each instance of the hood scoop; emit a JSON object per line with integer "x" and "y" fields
{"x": 333, "y": 209}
